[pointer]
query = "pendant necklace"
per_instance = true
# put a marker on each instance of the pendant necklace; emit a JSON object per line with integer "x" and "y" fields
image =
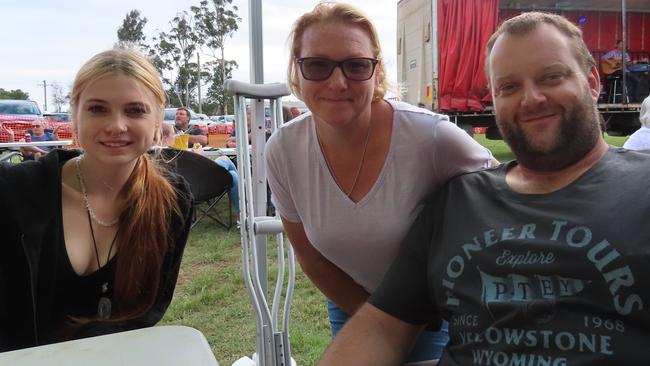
{"x": 104, "y": 305}
{"x": 329, "y": 167}
{"x": 85, "y": 197}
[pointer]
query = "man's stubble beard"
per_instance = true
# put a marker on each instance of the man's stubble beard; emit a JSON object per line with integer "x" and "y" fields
{"x": 577, "y": 134}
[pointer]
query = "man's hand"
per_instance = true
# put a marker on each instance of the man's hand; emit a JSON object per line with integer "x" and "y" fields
{"x": 614, "y": 62}
{"x": 8, "y": 131}
{"x": 55, "y": 132}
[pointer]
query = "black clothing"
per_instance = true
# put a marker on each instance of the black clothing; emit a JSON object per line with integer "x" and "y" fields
{"x": 635, "y": 86}
{"x": 31, "y": 240}
{"x": 529, "y": 279}
{"x": 78, "y": 296}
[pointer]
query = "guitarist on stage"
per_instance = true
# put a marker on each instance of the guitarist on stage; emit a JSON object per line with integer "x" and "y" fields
{"x": 611, "y": 63}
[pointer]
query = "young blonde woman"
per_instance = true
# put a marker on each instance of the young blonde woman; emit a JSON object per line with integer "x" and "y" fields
{"x": 350, "y": 177}
{"x": 92, "y": 240}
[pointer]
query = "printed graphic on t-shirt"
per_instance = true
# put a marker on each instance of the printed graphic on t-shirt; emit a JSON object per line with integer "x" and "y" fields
{"x": 542, "y": 293}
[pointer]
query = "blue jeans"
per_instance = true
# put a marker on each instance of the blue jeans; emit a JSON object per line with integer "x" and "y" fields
{"x": 428, "y": 346}
{"x": 233, "y": 194}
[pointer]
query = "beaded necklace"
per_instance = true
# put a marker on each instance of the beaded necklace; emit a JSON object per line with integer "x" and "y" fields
{"x": 85, "y": 197}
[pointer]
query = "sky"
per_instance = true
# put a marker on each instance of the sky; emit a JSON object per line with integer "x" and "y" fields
{"x": 46, "y": 40}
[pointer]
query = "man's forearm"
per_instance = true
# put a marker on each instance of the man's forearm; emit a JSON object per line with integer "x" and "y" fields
{"x": 371, "y": 337}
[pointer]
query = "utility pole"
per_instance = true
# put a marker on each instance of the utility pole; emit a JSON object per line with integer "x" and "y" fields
{"x": 44, "y": 85}
{"x": 198, "y": 77}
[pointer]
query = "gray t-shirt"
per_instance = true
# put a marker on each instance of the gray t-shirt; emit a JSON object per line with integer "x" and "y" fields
{"x": 363, "y": 238}
{"x": 533, "y": 279}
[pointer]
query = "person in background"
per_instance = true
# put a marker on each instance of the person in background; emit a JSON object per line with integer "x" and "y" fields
{"x": 167, "y": 135}
{"x": 182, "y": 126}
{"x": 92, "y": 240}
{"x": 224, "y": 161}
{"x": 231, "y": 142}
{"x": 349, "y": 179}
{"x": 612, "y": 64}
{"x": 38, "y": 133}
{"x": 528, "y": 261}
{"x": 295, "y": 112}
{"x": 640, "y": 139}
{"x": 6, "y": 133}
{"x": 286, "y": 114}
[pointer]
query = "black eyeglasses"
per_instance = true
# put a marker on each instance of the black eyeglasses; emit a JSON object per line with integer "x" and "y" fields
{"x": 318, "y": 68}
{"x": 34, "y": 126}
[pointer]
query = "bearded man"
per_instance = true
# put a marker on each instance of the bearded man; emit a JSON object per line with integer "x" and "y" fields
{"x": 543, "y": 260}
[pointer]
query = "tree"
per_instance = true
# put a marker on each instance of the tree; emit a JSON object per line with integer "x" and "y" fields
{"x": 13, "y": 94}
{"x": 173, "y": 52}
{"x": 216, "y": 20}
{"x": 130, "y": 34}
{"x": 59, "y": 98}
{"x": 218, "y": 101}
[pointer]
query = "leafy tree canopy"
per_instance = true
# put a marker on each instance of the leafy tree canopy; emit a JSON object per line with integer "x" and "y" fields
{"x": 178, "y": 53}
{"x": 13, "y": 94}
{"x": 131, "y": 33}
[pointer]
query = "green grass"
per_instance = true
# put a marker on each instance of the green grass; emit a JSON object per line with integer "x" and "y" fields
{"x": 502, "y": 152}
{"x": 211, "y": 297}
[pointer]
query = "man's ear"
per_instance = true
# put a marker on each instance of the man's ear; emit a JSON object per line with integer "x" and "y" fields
{"x": 593, "y": 79}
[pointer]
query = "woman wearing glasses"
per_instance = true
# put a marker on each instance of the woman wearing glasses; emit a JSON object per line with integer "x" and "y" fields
{"x": 92, "y": 240}
{"x": 349, "y": 179}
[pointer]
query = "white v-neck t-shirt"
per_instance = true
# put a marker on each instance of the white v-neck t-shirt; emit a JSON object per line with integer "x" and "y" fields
{"x": 363, "y": 238}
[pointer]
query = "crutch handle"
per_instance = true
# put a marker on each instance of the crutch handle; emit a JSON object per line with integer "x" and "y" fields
{"x": 267, "y": 225}
{"x": 256, "y": 91}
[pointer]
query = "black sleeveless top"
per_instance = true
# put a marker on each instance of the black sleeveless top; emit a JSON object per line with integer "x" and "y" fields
{"x": 77, "y": 296}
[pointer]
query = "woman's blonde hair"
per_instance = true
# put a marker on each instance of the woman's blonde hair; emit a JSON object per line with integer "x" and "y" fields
{"x": 151, "y": 201}
{"x": 332, "y": 12}
{"x": 120, "y": 61}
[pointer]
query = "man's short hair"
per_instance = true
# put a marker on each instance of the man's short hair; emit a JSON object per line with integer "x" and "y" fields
{"x": 528, "y": 22}
{"x": 187, "y": 111}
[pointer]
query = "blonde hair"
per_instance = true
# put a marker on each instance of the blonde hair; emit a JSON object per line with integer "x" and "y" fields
{"x": 118, "y": 61}
{"x": 332, "y": 12}
{"x": 151, "y": 202}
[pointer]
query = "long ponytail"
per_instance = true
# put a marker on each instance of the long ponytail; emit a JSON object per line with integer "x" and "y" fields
{"x": 151, "y": 202}
{"x": 151, "y": 205}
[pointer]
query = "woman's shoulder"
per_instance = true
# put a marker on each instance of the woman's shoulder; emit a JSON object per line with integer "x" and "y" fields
{"x": 36, "y": 172}
{"x": 290, "y": 134}
{"x": 27, "y": 189}
{"x": 407, "y": 113}
{"x": 296, "y": 126}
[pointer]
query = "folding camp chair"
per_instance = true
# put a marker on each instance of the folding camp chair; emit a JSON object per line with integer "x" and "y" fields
{"x": 209, "y": 183}
{"x": 272, "y": 348}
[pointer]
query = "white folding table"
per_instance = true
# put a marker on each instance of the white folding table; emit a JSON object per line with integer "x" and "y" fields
{"x": 161, "y": 346}
{"x": 19, "y": 144}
